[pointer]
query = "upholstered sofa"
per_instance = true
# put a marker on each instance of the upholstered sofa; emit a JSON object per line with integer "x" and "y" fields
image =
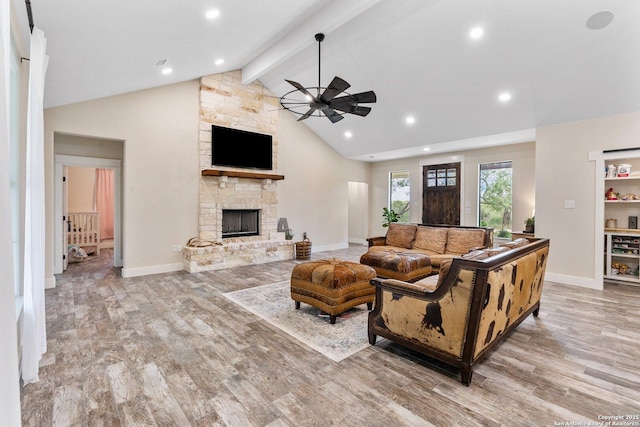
{"x": 412, "y": 251}
{"x": 461, "y": 314}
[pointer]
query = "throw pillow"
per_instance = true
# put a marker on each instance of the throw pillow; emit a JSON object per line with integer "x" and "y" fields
{"x": 431, "y": 239}
{"x": 462, "y": 240}
{"x": 401, "y": 235}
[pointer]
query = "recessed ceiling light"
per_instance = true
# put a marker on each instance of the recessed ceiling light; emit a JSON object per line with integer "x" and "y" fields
{"x": 476, "y": 32}
{"x": 504, "y": 96}
{"x": 599, "y": 20}
{"x": 212, "y": 14}
{"x": 426, "y": 149}
{"x": 167, "y": 70}
{"x": 219, "y": 61}
{"x": 348, "y": 134}
{"x": 410, "y": 120}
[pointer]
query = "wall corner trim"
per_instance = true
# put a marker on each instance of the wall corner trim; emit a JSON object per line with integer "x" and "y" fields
{"x": 583, "y": 282}
{"x": 152, "y": 269}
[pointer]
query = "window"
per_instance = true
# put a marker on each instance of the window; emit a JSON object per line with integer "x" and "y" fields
{"x": 399, "y": 195}
{"x": 495, "y": 197}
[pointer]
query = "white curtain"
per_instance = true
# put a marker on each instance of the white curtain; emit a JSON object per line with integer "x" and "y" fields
{"x": 34, "y": 334}
{"x": 9, "y": 381}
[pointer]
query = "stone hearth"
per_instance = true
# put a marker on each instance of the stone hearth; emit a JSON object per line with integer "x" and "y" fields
{"x": 225, "y": 101}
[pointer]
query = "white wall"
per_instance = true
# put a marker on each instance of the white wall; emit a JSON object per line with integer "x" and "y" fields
{"x": 159, "y": 128}
{"x": 358, "y": 212}
{"x": 522, "y": 156}
{"x": 85, "y": 146}
{"x": 563, "y": 172}
{"x": 314, "y": 195}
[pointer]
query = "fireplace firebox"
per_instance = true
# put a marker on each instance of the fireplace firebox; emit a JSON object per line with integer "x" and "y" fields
{"x": 240, "y": 222}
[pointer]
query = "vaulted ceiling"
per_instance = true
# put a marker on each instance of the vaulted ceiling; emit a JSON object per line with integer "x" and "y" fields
{"x": 417, "y": 55}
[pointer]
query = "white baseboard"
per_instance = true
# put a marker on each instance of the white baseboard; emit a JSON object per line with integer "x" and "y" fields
{"x": 153, "y": 269}
{"x": 329, "y": 247}
{"x": 583, "y": 282}
{"x": 358, "y": 241}
{"x": 50, "y": 283}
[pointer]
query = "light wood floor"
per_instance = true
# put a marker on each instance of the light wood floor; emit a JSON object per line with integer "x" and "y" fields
{"x": 171, "y": 350}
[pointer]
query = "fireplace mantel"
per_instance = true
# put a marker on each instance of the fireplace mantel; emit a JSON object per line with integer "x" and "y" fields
{"x": 237, "y": 174}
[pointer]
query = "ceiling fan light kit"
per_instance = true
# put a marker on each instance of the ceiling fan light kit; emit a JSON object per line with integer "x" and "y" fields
{"x": 316, "y": 101}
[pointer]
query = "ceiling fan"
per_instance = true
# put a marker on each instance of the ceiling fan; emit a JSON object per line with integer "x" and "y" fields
{"x": 317, "y": 101}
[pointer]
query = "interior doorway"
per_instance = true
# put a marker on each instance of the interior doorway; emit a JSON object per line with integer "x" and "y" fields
{"x": 91, "y": 152}
{"x": 89, "y": 206}
{"x": 64, "y": 228}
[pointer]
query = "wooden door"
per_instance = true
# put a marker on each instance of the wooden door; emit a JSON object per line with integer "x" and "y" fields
{"x": 441, "y": 194}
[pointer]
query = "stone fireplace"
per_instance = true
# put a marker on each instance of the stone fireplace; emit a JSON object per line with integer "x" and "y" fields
{"x": 244, "y": 193}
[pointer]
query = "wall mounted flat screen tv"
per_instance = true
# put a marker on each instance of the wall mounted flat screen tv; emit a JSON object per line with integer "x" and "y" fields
{"x": 241, "y": 149}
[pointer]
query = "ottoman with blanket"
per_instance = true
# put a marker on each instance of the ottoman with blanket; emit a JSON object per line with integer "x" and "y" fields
{"x": 333, "y": 286}
{"x": 400, "y": 265}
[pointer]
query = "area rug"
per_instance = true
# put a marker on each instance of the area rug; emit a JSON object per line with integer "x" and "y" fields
{"x": 273, "y": 303}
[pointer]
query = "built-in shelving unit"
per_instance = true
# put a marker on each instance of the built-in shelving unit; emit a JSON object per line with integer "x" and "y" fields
{"x": 622, "y": 255}
{"x": 621, "y": 242}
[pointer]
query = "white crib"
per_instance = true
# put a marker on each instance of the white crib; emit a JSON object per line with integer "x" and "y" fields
{"x": 83, "y": 229}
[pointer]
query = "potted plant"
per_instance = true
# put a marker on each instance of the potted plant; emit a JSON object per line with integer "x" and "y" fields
{"x": 529, "y": 225}
{"x": 389, "y": 216}
{"x": 288, "y": 234}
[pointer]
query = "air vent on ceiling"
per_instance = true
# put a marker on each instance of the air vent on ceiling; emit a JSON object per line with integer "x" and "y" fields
{"x": 160, "y": 62}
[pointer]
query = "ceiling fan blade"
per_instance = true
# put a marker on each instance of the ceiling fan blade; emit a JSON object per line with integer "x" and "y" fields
{"x": 360, "y": 111}
{"x": 365, "y": 97}
{"x": 300, "y": 88}
{"x": 344, "y": 103}
{"x": 332, "y": 115}
{"x": 307, "y": 114}
{"x": 336, "y": 86}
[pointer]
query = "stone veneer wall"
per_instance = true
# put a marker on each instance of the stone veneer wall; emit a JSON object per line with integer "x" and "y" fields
{"x": 225, "y": 101}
